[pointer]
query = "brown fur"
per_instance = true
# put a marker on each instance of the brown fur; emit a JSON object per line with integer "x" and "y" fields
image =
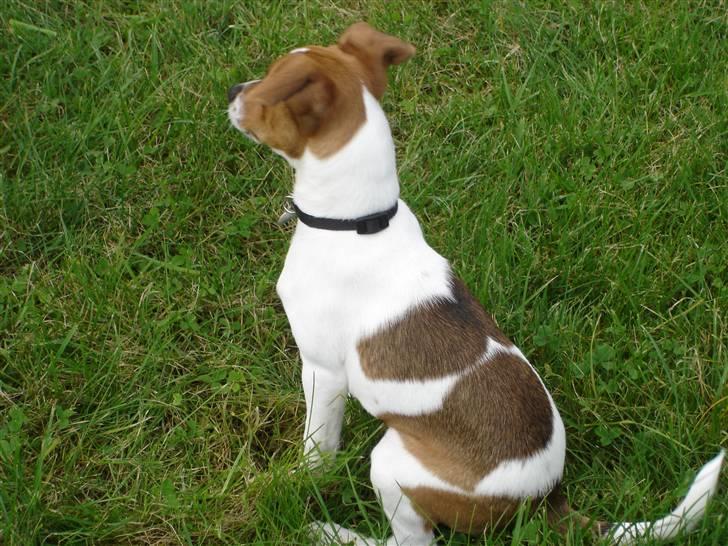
{"x": 475, "y": 514}
{"x": 314, "y": 99}
{"x": 432, "y": 340}
{"x": 375, "y": 51}
{"x": 497, "y": 411}
{"x": 461, "y": 512}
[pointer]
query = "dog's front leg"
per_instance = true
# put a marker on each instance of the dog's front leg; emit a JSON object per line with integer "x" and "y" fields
{"x": 325, "y": 390}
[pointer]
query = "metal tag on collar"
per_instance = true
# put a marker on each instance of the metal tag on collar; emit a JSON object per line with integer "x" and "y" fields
{"x": 288, "y": 212}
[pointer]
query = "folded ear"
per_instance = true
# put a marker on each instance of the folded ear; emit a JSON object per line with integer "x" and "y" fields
{"x": 376, "y": 51}
{"x": 302, "y": 88}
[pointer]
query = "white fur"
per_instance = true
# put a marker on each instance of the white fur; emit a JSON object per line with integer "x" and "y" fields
{"x": 412, "y": 397}
{"x": 235, "y": 112}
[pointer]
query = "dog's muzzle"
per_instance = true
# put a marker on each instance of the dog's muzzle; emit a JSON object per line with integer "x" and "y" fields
{"x": 236, "y": 108}
{"x": 236, "y": 89}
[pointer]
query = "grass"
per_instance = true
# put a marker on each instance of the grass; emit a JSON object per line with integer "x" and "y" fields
{"x": 570, "y": 159}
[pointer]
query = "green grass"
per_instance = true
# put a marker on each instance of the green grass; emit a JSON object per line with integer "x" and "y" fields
{"x": 569, "y": 158}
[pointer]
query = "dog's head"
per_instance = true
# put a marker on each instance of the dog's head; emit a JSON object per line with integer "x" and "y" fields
{"x": 312, "y": 98}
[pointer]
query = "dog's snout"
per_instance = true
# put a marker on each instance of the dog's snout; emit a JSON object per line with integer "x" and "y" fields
{"x": 234, "y": 91}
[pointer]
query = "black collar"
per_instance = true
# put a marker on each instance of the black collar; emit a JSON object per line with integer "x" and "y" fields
{"x": 364, "y": 225}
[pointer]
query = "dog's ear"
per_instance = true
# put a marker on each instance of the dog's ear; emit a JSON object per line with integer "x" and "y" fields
{"x": 376, "y": 51}
{"x": 302, "y": 87}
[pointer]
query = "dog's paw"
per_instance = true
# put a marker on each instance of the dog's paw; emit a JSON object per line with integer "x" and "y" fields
{"x": 316, "y": 462}
{"x": 323, "y": 533}
{"x": 329, "y": 534}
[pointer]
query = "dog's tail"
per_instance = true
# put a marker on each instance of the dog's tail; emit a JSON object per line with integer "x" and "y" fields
{"x": 682, "y": 519}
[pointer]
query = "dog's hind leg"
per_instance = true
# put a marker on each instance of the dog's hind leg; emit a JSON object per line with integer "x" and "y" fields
{"x": 391, "y": 469}
{"x": 390, "y": 464}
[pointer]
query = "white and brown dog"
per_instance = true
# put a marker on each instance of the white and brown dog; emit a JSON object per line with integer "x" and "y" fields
{"x": 472, "y": 431}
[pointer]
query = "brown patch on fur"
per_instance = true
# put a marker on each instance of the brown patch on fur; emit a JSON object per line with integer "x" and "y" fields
{"x": 497, "y": 411}
{"x": 433, "y": 340}
{"x": 314, "y": 99}
{"x": 475, "y": 514}
{"x": 461, "y": 512}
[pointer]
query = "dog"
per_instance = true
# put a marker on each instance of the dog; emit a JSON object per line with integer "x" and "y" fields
{"x": 472, "y": 432}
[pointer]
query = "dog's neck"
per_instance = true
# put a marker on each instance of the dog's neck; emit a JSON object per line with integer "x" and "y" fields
{"x": 359, "y": 179}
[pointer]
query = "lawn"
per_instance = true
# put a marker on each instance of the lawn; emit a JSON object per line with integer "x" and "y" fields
{"x": 569, "y": 158}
